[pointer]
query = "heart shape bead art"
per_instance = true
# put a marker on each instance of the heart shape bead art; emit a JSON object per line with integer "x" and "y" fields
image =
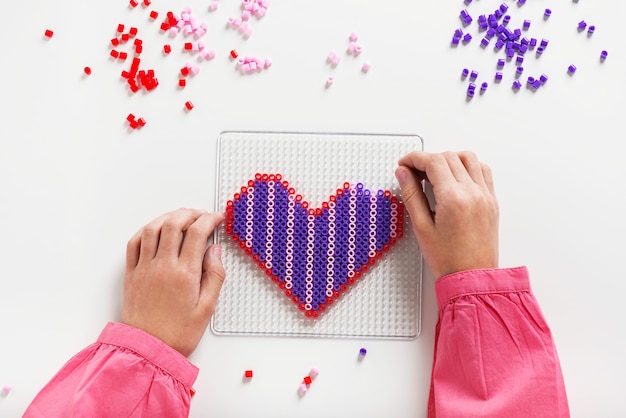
{"x": 313, "y": 255}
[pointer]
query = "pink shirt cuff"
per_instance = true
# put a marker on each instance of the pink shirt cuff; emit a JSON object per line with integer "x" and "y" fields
{"x": 475, "y": 282}
{"x": 152, "y": 349}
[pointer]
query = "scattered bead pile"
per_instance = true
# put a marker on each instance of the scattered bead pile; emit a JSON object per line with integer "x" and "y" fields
{"x": 353, "y": 49}
{"x": 313, "y": 255}
{"x": 512, "y": 42}
{"x": 249, "y": 8}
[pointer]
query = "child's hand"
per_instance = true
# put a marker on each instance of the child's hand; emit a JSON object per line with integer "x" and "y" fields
{"x": 462, "y": 231}
{"x": 172, "y": 281}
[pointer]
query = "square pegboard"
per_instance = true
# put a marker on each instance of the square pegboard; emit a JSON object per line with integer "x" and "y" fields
{"x": 384, "y": 303}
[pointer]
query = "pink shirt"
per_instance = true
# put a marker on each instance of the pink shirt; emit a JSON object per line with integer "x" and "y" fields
{"x": 494, "y": 357}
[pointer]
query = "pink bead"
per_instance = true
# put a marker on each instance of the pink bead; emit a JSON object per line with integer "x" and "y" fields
{"x": 253, "y": 66}
{"x": 247, "y": 33}
{"x": 354, "y": 37}
{"x": 6, "y": 389}
{"x": 245, "y": 15}
{"x": 188, "y": 30}
{"x": 331, "y": 57}
{"x": 194, "y": 69}
{"x": 351, "y": 47}
{"x": 267, "y": 63}
{"x": 261, "y": 12}
{"x": 329, "y": 81}
{"x": 237, "y": 22}
{"x": 302, "y": 388}
{"x": 231, "y": 21}
{"x": 243, "y": 27}
{"x": 357, "y": 49}
{"x": 245, "y": 68}
{"x": 200, "y": 45}
{"x": 366, "y": 67}
{"x": 213, "y": 6}
{"x": 314, "y": 372}
{"x": 335, "y": 61}
{"x": 173, "y": 31}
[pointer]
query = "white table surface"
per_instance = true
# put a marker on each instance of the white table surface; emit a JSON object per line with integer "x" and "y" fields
{"x": 76, "y": 183}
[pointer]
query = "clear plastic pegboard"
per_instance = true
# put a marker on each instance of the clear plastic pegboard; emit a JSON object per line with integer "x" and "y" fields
{"x": 384, "y": 303}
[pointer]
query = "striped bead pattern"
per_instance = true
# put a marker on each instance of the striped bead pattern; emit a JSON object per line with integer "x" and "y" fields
{"x": 313, "y": 255}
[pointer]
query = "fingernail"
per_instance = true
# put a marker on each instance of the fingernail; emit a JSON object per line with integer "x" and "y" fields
{"x": 400, "y": 174}
{"x": 216, "y": 252}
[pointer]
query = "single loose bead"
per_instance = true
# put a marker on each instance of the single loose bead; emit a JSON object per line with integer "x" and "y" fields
{"x": 484, "y": 86}
{"x": 517, "y": 85}
{"x": 591, "y": 29}
{"x": 543, "y": 78}
{"x": 248, "y": 374}
{"x": 473, "y": 75}
{"x": 603, "y": 55}
{"x": 571, "y": 69}
{"x": 362, "y": 351}
{"x": 526, "y": 24}
{"x": 464, "y": 73}
{"x": 547, "y": 13}
{"x": 48, "y": 33}
{"x": 87, "y": 70}
{"x": 501, "y": 62}
{"x": 467, "y": 37}
{"x": 366, "y": 67}
{"x": 189, "y": 105}
{"x": 498, "y": 76}
{"x": 582, "y": 25}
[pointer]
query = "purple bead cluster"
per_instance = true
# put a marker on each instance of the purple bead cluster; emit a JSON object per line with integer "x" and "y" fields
{"x": 512, "y": 42}
{"x": 313, "y": 254}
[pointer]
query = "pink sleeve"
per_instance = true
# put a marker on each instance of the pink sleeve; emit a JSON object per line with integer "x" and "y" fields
{"x": 494, "y": 353}
{"x": 126, "y": 373}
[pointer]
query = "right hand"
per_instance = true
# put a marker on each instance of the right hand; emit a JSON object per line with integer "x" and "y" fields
{"x": 462, "y": 231}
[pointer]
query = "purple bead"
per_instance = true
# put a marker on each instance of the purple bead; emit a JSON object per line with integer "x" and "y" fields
{"x": 521, "y": 2}
{"x": 571, "y": 69}
{"x": 504, "y": 7}
{"x": 530, "y": 80}
{"x": 498, "y": 13}
{"x": 458, "y": 33}
{"x": 591, "y": 29}
{"x": 498, "y": 76}
{"x": 498, "y": 45}
{"x": 540, "y": 50}
{"x": 517, "y": 33}
{"x": 543, "y": 78}
{"x": 519, "y": 59}
{"x": 500, "y": 62}
{"x": 464, "y": 73}
{"x": 517, "y": 85}
{"x": 484, "y": 86}
{"x": 582, "y": 25}
{"x": 506, "y": 20}
{"x": 537, "y": 84}
{"x": 547, "y": 13}
{"x": 471, "y": 90}
{"x": 467, "y": 37}
{"x": 544, "y": 43}
{"x": 468, "y": 1}
{"x": 533, "y": 42}
{"x": 603, "y": 55}
{"x": 526, "y": 24}
{"x": 455, "y": 40}
{"x": 473, "y": 75}
{"x": 484, "y": 41}
{"x": 519, "y": 70}
{"x": 491, "y": 32}
{"x": 523, "y": 48}
{"x": 510, "y": 53}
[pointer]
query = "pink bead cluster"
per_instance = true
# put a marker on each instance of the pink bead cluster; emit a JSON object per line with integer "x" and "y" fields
{"x": 248, "y": 65}
{"x": 249, "y": 8}
{"x": 187, "y": 24}
{"x": 353, "y": 49}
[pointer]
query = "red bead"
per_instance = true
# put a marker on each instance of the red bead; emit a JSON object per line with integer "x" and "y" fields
{"x": 167, "y": 49}
{"x": 114, "y": 53}
{"x": 134, "y": 124}
{"x": 123, "y": 55}
{"x": 308, "y": 380}
{"x": 134, "y": 3}
{"x": 132, "y": 32}
{"x": 182, "y": 82}
{"x": 248, "y": 374}
{"x": 154, "y": 14}
{"x": 233, "y": 53}
{"x": 120, "y": 28}
{"x": 87, "y": 70}
{"x": 48, "y": 33}
{"x": 184, "y": 71}
{"x": 165, "y": 26}
{"x": 130, "y": 117}
{"x": 188, "y": 46}
{"x": 138, "y": 49}
{"x": 115, "y": 42}
{"x": 189, "y": 105}
{"x": 141, "y": 122}
{"x": 125, "y": 37}
{"x": 147, "y": 2}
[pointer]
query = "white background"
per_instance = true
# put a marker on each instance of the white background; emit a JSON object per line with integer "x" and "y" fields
{"x": 76, "y": 183}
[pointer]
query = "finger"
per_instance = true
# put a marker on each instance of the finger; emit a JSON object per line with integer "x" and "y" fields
{"x": 472, "y": 165}
{"x": 456, "y": 167}
{"x": 434, "y": 166}
{"x": 415, "y": 200}
{"x": 133, "y": 250}
{"x": 213, "y": 276}
{"x": 174, "y": 224}
{"x": 149, "y": 236}
{"x": 487, "y": 175}
{"x": 197, "y": 236}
